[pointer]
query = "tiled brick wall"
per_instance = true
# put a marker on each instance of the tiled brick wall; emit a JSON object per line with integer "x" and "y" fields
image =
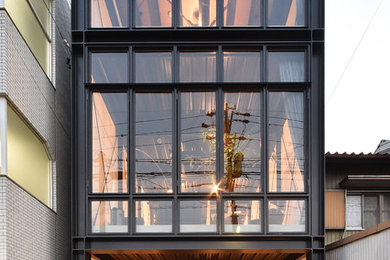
{"x": 29, "y": 229}
{"x": 30, "y": 225}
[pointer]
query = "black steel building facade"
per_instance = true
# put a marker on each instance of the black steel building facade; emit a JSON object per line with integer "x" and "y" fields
{"x": 198, "y": 129}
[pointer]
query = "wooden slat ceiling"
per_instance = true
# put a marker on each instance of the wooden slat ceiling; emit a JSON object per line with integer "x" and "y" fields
{"x": 198, "y": 255}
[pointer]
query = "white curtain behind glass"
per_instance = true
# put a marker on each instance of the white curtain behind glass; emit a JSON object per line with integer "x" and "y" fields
{"x": 198, "y": 67}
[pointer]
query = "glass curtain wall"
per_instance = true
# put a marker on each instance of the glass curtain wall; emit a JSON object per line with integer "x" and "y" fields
{"x": 197, "y": 163}
{"x": 197, "y": 13}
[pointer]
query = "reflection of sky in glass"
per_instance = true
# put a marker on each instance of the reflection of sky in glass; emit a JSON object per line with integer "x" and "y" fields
{"x": 109, "y": 13}
{"x": 198, "y": 13}
{"x": 242, "y": 12}
{"x": 153, "y": 13}
{"x": 109, "y": 142}
{"x": 198, "y": 139}
{"x": 153, "y": 67}
{"x": 154, "y": 142}
{"x": 287, "y": 216}
{"x": 198, "y": 216}
{"x": 109, "y": 68}
{"x": 286, "y": 13}
{"x": 286, "y": 142}
{"x": 198, "y": 67}
{"x": 286, "y": 66}
{"x": 241, "y": 66}
{"x": 109, "y": 216}
{"x": 242, "y": 216}
{"x": 153, "y": 216}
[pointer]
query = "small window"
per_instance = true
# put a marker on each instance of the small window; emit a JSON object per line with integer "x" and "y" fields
{"x": 354, "y": 212}
{"x": 366, "y": 210}
{"x": 198, "y": 66}
{"x": 109, "y": 13}
{"x": 198, "y": 13}
{"x": 286, "y": 12}
{"x": 109, "y": 216}
{"x": 155, "y": 67}
{"x": 153, "y": 13}
{"x": 153, "y": 216}
{"x": 286, "y": 216}
{"x": 241, "y": 66}
{"x": 286, "y": 67}
{"x": 242, "y": 216}
{"x": 242, "y": 12}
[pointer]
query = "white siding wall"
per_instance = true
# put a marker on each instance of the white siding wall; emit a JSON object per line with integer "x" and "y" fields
{"x": 376, "y": 247}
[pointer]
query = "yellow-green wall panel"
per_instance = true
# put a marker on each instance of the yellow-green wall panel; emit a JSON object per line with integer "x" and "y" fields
{"x": 28, "y": 162}
{"x": 29, "y": 27}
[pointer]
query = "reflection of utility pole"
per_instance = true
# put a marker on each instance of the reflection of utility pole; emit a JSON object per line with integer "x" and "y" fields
{"x": 233, "y": 158}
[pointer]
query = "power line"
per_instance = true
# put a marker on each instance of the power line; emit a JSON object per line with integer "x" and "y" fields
{"x": 354, "y": 52}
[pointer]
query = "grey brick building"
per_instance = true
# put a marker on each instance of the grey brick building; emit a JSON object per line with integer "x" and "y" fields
{"x": 34, "y": 129}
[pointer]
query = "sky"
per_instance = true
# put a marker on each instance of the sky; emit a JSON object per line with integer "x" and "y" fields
{"x": 357, "y": 75}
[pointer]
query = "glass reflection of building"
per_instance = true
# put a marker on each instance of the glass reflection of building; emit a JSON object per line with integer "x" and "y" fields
{"x": 200, "y": 134}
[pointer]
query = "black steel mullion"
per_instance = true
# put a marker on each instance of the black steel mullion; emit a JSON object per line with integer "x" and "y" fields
{"x": 131, "y": 67}
{"x": 175, "y": 14}
{"x": 219, "y": 155}
{"x": 220, "y": 14}
{"x": 132, "y": 160}
{"x": 220, "y": 66}
{"x": 131, "y": 9}
{"x": 175, "y": 65}
{"x": 175, "y": 161}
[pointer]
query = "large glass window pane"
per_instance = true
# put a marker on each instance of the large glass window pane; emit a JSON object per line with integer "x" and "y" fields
{"x": 109, "y": 13}
{"x": 198, "y": 139}
{"x": 287, "y": 216}
{"x": 153, "y": 143}
{"x": 371, "y": 211}
{"x": 241, "y": 66}
{"x": 286, "y": 160}
{"x": 198, "y": 216}
{"x": 153, "y": 216}
{"x": 242, "y": 142}
{"x": 109, "y": 216}
{"x": 109, "y": 68}
{"x": 242, "y": 216}
{"x": 153, "y": 13}
{"x": 198, "y": 67}
{"x": 109, "y": 142}
{"x": 286, "y": 12}
{"x": 386, "y": 207}
{"x": 198, "y": 13}
{"x": 353, "y": 214}
{"x": 153, "y": 67}
{"x": 286, "y": 67}
{"x": 242, "y": 12}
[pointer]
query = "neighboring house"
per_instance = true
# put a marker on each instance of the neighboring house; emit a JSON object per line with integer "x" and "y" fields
{"x": 357, "y": 193}
{"x": 198, "y": 129}
{"x": 383, "y": 147}
{"x": 34, "y": 129}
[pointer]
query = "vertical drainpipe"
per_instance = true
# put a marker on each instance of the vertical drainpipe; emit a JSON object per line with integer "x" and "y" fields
{"x": 3, "y": 135}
